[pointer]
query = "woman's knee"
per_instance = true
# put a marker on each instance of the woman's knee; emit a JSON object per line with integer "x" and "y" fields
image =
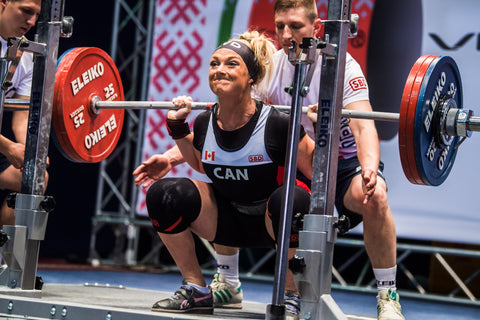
{"x": 301, "y": 206}
{"x": 172, "y": 204}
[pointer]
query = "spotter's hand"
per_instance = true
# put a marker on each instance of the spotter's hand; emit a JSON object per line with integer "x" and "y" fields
{"x": 369, "y": 182}
{"x": 312, "y": 112}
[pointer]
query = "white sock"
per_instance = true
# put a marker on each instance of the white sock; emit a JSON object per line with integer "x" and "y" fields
{"x": 204, "y": 290}
{"x": 386, "y": 278}
{"x": 228, "y": 267}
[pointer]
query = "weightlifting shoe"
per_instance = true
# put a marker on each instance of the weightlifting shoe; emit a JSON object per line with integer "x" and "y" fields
{"x": 388, "y": 306}
{"x": 186, "y": 299}
{"x": 292, "y": 305}
{"x": 224, "y": 294}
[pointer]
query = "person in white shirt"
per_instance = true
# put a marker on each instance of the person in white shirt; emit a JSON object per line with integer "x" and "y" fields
{"x": 16, "y": 19}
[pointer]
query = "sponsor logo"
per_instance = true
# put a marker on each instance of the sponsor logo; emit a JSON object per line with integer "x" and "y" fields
{"x": 358, "y": 83}
{"x": 255, "y": 158}
{"x": 461, "y": 42}
{"x": 208, "y": 296}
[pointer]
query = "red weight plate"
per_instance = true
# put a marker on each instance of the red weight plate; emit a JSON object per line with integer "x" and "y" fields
{"x": 407, "y": 118}
{"x": 410, "y": 116}
{"x": 83, "y": 135}
{"x": 403, "y": 112}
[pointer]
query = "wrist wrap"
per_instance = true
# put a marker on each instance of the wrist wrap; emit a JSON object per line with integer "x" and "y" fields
{"x": 177, "y": 129}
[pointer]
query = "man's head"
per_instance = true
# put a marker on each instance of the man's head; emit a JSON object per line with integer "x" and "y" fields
{"x": 295, "y": 20}
{"x": 18, "y": 16}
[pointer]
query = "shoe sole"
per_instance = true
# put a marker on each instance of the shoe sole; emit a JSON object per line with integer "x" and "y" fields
{"x": 228, "y": 305}
{"x": 192, "y": 310}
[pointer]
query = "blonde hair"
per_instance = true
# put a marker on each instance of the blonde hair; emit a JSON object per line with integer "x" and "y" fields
{"x": 263, "y": 48}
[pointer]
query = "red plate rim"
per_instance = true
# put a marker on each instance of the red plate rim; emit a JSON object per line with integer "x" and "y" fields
{"x": 411, "y": 114}
{"x": 406, "y": 124}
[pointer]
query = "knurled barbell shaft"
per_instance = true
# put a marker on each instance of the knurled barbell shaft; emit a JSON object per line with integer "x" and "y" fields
{"x": 134, "y": 105}
{"x": 17, "y": 102}
{"x": 14, "y": 104}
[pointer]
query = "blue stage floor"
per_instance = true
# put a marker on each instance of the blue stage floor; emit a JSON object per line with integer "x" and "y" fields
{"x": 361, "y": 304}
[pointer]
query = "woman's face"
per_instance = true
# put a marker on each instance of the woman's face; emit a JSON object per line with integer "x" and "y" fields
{"x": 228, "y": 73}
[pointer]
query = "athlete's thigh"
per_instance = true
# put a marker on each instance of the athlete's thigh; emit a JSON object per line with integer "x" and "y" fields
{"x": 206, "y": 224}
{"x": 11, "y": 179}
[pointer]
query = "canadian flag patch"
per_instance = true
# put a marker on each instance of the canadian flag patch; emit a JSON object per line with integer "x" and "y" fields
{"x": 210, "y": 155}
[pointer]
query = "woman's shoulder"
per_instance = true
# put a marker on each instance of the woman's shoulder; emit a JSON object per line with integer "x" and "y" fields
{"x": 202, "y": 118}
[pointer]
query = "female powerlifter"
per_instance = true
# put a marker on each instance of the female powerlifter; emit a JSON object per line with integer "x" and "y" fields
{"x": 240, "y": 144}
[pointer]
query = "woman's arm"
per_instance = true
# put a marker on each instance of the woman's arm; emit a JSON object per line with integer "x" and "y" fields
{"x": 178, "y": 129}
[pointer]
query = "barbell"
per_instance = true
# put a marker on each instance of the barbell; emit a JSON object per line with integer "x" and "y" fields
{"x": 88, "y": 112}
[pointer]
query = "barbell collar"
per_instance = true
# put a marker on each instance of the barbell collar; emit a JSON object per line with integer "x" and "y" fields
{"x": 461, "y": 123}
{"x": 466, "y": 122}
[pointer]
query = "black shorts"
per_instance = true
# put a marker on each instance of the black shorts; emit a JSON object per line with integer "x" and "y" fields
{"x": 347, "y": 169}
{"x": 238, "y": 229}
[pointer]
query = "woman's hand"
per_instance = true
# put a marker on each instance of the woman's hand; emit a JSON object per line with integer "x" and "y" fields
{"x": 156, "y": 167}
{"x": 184, "y": 105}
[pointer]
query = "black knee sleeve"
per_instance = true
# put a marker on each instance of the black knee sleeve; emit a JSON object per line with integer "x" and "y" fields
{"x": 301, "y": 205}
{"x": 172, "y": 204}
